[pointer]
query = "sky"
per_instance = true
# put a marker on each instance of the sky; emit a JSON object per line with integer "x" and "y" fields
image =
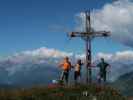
{"x": 33, "y": 33}
{"x": 32, "y": 24}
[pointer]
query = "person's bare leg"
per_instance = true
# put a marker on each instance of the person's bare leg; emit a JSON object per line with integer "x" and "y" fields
{"x": 62, "y": 76}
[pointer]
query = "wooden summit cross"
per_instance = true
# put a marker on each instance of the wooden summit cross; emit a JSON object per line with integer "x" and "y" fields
{"x": 87, "y": 36}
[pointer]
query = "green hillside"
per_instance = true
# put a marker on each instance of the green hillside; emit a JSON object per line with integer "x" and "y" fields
{"x": 54, "y": 92}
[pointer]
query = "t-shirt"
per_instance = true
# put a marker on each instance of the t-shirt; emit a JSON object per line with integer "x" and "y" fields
{"x": 103, "y": 66}
{"x": 77, "y": 67}
{"x": 66, "y": 66}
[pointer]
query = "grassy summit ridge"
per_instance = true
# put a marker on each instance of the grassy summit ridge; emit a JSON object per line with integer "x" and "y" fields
{"x": 54, "y": 92}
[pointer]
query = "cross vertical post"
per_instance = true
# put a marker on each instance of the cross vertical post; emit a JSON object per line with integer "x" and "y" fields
{"x": 88, "y": 48}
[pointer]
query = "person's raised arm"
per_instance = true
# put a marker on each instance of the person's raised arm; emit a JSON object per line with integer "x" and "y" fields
{"x": 70, "y": 65}
{"x": 93, "y": 65}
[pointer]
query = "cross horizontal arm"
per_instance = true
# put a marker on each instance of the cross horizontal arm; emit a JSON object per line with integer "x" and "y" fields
{"x": 101, "y": 33}
{"x": 89, "y": 34}
{"x": 75, "y": 34}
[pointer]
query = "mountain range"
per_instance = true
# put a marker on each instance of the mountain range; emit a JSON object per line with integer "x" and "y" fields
{"x": 40, "y": 66}
{"x": 125, "y": 84}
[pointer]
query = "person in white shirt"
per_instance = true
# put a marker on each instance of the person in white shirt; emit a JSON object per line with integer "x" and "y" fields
{"x": 77, "y": 70}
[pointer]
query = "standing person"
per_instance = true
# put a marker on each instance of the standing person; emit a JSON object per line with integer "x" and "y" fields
{"x": 66, "y": 66}
{"x": 103, "y": 70}
{"x": 77, "y": 70}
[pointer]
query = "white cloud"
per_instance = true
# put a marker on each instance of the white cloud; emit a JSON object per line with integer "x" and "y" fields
{"x": 118, "y": 56}
{"x": 115, "y": 17}
{"x": 26, "y": 61}
{"x": 47, "y": 53}
{"x": 41, "y": 53}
